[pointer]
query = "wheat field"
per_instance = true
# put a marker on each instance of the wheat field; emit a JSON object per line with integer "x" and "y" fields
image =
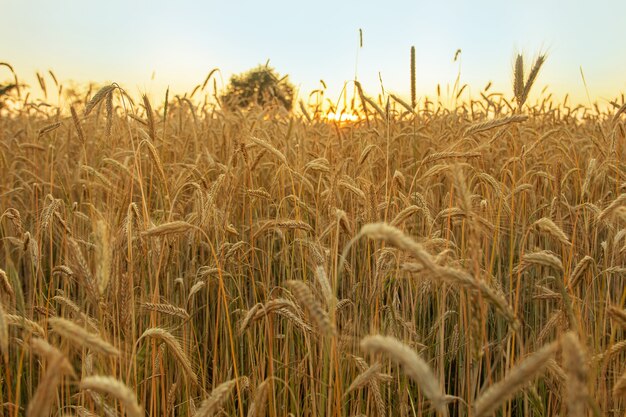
{"x": 176, "y": 259}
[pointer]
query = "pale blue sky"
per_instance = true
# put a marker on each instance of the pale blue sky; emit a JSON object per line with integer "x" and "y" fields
{"x": 181, "y": 41}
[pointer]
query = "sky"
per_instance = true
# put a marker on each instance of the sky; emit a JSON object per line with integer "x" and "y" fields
{"x": 146, "y": 46}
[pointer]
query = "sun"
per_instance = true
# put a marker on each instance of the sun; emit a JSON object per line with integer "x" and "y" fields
{"x": 342, "y": 117}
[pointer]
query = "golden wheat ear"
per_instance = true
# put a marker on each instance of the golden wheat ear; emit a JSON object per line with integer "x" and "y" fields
{"x": 521, "y": 87}
{"x": 175, "y": 349}
{"x": 59, "y": 365}
{"x": 518, "y": 79}
{"x": 532, "y": 76}
{"x": 305, "y": 297}
{"x": 574, "y": 365}
{"x": 98, "y": 97}
{"x": 412, "y": 365}
{"x": 115, "y": 388}
{"x": 525, "y": 371}
{"x": 212, "y": 403}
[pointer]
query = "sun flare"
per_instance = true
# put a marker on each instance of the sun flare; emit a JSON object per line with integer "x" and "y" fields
{"x": 342, "y": 117}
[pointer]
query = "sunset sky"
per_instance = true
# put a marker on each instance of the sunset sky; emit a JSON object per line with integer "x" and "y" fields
{"x": 148, "y": 45}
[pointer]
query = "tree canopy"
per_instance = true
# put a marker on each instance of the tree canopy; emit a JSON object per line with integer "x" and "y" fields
{"x": 261, "y": 86}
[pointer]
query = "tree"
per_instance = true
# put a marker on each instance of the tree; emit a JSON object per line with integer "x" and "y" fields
{"x": 261, "y": 86}
{"x": 4, "y": 92}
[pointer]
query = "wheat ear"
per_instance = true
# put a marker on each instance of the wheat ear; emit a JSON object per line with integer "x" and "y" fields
{"x": 174, "y": 346}
{"x": 257, "y": 408}
{"x": 574, "y": 366}
{"x": 548, "y": 226}
{"x": 80, "y": 336}
{"x": 412, "y": 365}
{"x": 305, "y": 297}
{"x": 115, "y": 388}
{"x": 58, "y": 365}
{"x": 524, "y": 372}
{"x": 211, "y": 404}
{"x": 175, "y": 227}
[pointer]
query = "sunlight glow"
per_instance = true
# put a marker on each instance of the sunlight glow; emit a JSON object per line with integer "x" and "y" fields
{"x": 342, "y": 117}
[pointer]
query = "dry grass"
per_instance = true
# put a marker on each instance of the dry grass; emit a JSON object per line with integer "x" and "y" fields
{"x": 236, "y": 263}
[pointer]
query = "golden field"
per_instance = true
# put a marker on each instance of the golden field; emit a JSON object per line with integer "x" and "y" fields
{"x": 176, "y": 259}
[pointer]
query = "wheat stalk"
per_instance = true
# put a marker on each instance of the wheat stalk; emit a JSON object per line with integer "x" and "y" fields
{"x": 4, "y": 332}
{"x": 413, "y": 76}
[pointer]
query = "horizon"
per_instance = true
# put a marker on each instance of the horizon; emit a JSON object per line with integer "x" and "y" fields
{"x": 196, "y": 38}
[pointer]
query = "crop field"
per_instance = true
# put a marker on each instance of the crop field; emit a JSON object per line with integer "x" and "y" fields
{"x": 173, "y": 258}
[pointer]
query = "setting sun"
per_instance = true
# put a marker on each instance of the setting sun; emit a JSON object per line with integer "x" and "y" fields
{"x": 342, "y": 117}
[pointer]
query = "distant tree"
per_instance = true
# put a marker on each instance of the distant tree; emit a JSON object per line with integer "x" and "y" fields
{"x": 261, "y": 86}
{"x": 4, "y": 91}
